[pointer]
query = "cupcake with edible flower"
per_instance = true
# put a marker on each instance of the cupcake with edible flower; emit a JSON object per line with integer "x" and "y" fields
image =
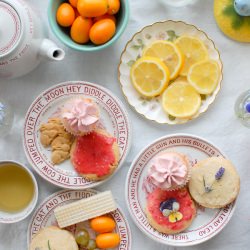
{"x": 80, "y": 116}
{"x": 169, "y": 171}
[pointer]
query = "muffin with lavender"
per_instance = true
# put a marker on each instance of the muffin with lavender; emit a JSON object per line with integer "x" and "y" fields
{"x": 214, "y": 182}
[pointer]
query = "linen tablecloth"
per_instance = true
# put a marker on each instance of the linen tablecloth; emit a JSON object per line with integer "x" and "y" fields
{"x": 218, "y": 124}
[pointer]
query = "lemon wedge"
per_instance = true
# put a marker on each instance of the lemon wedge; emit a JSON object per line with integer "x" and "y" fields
{"x": 169, "y": 53}
{"x": 150, "y": 76}
{"x": 193, "y": 49}
{"x": 204, "y": 76}
{"x": 181, "y": 100}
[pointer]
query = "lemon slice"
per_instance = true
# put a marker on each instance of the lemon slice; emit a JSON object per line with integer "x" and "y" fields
{"x": 193, "y": 49}
{"x": 181, "y": 100}
{"x": 204, "y": 76}
{"x": 169, "y": 53}
{"x": 150, "y": 76}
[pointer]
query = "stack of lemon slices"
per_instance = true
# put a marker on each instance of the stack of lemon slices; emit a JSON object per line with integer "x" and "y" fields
{"x": 179, "y": 71}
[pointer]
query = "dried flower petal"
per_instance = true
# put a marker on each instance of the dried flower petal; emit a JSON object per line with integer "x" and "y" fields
{"x": 175, "y": 216}
{"x": 176, "y": 206}
{"x": 166, "y": 212}
{"x": 168, "y": 204}
{"x": 220, "y": 173}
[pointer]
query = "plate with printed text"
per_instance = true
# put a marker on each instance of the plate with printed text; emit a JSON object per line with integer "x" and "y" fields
{"x": 207, "y": 222}
{"x": 113, "y": 118}
{"x": 44, "y": 217}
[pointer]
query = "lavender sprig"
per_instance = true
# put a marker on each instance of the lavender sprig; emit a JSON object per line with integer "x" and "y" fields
{"x": 217, "y": 176}
{"x": 220, "y": 173}
{"x": 207, "y": 188}
{"x": 49, "y": 245}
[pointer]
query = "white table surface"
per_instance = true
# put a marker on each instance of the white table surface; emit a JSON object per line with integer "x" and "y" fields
{"x": 218, "y": 124}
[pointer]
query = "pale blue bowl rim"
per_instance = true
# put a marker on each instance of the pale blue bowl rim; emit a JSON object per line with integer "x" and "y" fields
{"x": 82, "y": 47}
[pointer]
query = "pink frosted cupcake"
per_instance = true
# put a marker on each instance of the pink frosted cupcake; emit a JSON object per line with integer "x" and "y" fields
{"x": 169, "y": 171}
{"x": 80, "y": 116}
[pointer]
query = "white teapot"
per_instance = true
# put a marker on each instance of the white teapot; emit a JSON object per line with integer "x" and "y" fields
{"x": 22, "y": 42}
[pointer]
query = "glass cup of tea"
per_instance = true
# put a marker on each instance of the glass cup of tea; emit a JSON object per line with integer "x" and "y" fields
{"x": 18, "y": 192}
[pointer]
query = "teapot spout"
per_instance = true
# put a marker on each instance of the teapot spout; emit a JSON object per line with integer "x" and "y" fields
{"x": 50, "y": 51}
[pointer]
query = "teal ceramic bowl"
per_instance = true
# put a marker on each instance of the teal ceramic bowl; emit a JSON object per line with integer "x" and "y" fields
{"x": 63, "y": 33}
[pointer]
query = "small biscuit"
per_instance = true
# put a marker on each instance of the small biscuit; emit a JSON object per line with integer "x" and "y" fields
{"x": 50, "y": 130}
{"x": 209, "y": 190}
{"x": 53, "y": 238}
{"x": 61, "y": 146}
{"x": 59, "y": 156}
{"x": 53, "y": 134}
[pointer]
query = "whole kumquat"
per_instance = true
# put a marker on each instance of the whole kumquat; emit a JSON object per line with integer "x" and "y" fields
{"x": 79, "y": 31}
{"x": 102, "y": 224}
{"x": 65, "y": 15}
{"x": 92, "y": 8}
{"x": 113, "y": 6}
{"x": 107, "y": 240}
{"x": 102, "y": 31}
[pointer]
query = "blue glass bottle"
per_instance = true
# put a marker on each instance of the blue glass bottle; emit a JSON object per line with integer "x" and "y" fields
{"x": 242, "y": 108}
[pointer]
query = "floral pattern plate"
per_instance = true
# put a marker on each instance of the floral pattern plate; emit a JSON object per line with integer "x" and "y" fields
{"x": 208, "y": 222}
{"x": 44, "y": 217}
{"x": 113, "y": 118}
{"x": 167, "y": 30}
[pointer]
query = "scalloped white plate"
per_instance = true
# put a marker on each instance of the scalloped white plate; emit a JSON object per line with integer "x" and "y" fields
{"x": 151, "y": 109}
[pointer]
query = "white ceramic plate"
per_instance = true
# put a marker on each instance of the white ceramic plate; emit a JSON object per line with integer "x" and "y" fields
{"x": 167, "y": 30}
{"x": 207, "y": 223}
{"x": 113, "y": 118}
{"x": 44, "y": 216}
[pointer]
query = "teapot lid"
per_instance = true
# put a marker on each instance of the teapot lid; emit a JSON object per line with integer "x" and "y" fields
{"x": 10, "y": 28}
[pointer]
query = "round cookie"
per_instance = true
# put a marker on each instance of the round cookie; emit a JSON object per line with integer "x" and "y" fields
{"x": 99, "y": 155}
{"x": 53, "y": 238}
{"x": 214, "y": 182}
{"x": 170, "y": 212}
